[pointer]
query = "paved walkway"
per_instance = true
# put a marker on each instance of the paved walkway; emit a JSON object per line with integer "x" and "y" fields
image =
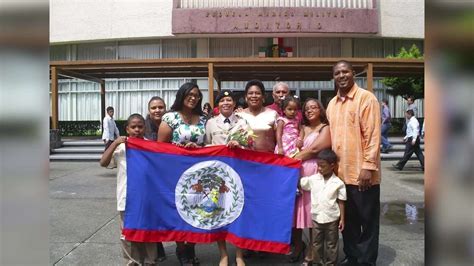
{"x": 84, "y": 228}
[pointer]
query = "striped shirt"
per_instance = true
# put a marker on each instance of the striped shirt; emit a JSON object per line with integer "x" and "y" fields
{"x": 354, "y": 122}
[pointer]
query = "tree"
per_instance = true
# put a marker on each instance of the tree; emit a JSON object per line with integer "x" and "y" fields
{"x": 406, "y": 86}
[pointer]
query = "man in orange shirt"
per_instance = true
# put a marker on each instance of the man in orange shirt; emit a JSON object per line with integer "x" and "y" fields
{"x": 354, "y": 120}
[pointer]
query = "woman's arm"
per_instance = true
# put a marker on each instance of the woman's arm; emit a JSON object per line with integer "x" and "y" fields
{"x": 323, "y": 141}
{"x": 299, "y": 141}
{"x": 208, "y": 135}
{"x": 279, "y": 134}
{"x": 164, "y": 133}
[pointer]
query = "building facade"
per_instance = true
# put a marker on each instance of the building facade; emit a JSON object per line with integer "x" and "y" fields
{"x": 118, "y": 30}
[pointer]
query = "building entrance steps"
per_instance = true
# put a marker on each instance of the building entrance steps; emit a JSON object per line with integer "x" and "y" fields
{"x": 92, "y": 149}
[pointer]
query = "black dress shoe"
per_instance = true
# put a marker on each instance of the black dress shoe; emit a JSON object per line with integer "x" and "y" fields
{"x": 349, "y": 262}
{"x": 396, "y": 167}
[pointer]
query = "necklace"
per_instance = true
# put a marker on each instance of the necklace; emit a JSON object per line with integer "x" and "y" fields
{"x": 256, "y": 113}
{"x": 187, "y": 118}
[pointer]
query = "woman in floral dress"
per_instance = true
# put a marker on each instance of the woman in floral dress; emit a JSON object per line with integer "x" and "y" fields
{"x": 184, "y": 125}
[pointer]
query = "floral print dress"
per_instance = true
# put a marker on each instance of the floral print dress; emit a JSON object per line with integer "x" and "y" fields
{"x": 291, "y": 132}
{"x": 183, "y": 132}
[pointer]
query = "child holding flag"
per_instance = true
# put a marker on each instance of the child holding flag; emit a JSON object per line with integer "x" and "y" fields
{"x": 135, "y": 253}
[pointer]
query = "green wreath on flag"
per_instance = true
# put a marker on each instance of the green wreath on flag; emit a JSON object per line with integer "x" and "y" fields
{"x": 211, "y": 184}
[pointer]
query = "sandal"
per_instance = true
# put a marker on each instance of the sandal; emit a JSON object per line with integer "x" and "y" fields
{"x": 307, "y": 262}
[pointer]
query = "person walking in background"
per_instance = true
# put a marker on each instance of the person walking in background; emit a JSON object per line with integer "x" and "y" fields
{"x": 110, "y": 131}
{"x": 411, "y": 106}
{"x": 412, "y": 142}
{"x": 386, "y": 125}
{"x": 354, "y": 121}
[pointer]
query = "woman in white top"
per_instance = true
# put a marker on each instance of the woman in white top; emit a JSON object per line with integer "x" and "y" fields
{"x": 261, "y": 119}
{"x": 219, "y": 131}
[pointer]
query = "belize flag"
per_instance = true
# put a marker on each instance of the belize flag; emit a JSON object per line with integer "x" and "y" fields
{"x": 207, "y": 194}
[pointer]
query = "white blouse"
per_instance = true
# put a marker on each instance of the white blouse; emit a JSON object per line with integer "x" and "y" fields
{"x": 263, "y": 126}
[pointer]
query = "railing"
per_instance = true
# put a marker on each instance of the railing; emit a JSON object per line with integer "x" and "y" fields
{"x": 354, "y": 4}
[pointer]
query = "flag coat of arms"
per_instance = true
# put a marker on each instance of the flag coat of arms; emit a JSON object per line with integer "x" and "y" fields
{"x": 204, "y": 195}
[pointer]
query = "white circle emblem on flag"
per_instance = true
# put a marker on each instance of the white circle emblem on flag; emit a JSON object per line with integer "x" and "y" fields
{"x": 209, "y": 195}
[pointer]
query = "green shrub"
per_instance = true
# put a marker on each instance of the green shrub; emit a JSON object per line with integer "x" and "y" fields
{"x": 79, "y": 128}
{"x": 397, "y": 126}
{"x": 87, "y": 128}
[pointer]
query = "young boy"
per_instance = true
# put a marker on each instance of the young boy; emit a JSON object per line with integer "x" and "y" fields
{"x": 135, "y": 253}
{"x": 110, "y": 130}
{"x": 328, "y": 194}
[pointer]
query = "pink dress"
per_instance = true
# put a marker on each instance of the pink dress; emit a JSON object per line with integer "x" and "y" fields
{"x": 303, "y": 217}
{"x": 291, "y": 132}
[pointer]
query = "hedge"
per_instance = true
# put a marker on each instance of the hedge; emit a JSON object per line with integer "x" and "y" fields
{"x": 93, "y": 128}
{"x": 397, "y": 125}
{"x": 87, "y": 128}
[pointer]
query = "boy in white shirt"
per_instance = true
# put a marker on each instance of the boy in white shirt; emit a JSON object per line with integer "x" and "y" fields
{"x": 110, "y": 131}
{"x": 328, "y": 194}
{"x": 135, "y": 253}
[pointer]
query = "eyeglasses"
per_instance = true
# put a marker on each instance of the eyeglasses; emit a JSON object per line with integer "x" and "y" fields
{"x": 195, "y": 96}
{"x": 308, "y": 108}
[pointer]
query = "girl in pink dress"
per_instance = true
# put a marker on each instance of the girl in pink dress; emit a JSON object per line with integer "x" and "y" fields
{"x": 288, "y": 128}
{"x": 316, "y": 138}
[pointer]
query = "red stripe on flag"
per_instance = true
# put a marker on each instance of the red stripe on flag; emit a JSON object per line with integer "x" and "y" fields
{"x": 219, "y": 150}
{"x": 169, "y": 236}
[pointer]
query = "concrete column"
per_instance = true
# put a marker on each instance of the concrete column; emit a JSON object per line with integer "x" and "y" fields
{"x": 202, "y": 49}
{"x": 54, "y": 98}
{"x": 346, "y": 47}
{"x": 210, "y": 80}
{"x": 370, "y": 77}
{"x": 102, "y": 100}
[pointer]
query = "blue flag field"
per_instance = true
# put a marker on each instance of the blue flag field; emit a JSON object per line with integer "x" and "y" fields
{"x": 208, "y": 194}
